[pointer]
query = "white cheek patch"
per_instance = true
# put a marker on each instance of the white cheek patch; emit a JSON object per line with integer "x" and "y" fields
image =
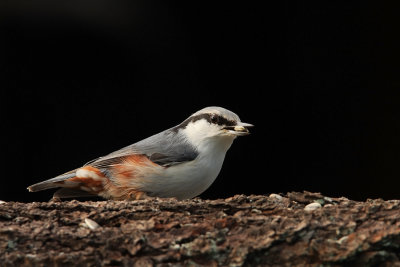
{"x": 83, "y": 173}
{"x": 199, "y": 130}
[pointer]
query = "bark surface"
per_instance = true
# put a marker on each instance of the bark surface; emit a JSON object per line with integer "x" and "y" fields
{"x": 275, "y": 230}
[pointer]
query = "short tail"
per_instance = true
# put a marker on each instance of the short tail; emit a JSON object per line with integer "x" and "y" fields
{"x": 51, "y": 183}
{"x": 85, "y": 181}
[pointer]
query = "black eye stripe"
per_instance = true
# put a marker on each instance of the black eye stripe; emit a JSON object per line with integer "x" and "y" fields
{"x": 211, "y": 118}
{"x": 220, "y": 120}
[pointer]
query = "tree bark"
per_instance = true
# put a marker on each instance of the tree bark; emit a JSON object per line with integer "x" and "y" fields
{"x": 275, "y": 230}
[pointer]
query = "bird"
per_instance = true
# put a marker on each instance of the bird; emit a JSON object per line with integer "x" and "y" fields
{"x": 180, "y": 162}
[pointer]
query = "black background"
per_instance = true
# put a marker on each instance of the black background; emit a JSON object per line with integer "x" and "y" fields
{"x": 319, "y": 80}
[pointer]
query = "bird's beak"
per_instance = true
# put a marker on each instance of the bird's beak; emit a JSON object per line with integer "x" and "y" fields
{"x": 240, "y": 129}
{"x": 246, "y": 125}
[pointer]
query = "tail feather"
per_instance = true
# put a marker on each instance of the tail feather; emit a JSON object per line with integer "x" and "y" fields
{"x": 51, "y": 183}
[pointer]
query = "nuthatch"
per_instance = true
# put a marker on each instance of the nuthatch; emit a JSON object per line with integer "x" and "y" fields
{"x": 180, "y": 162}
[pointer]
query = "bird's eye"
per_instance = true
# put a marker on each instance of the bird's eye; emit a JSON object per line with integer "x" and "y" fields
{"x": 214, "y": 118}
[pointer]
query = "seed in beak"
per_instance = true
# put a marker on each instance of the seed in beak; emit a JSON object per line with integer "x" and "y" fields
{"x": 240, "y": 129}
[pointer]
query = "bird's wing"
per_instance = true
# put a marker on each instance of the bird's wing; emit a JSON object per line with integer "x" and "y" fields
{"x": 166, "y": 149}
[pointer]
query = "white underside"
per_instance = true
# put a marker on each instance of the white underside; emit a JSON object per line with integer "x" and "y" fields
{"x": 190, "y": 179}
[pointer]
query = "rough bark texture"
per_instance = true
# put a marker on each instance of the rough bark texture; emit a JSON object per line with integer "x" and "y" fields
{"x": 241, "y": 230}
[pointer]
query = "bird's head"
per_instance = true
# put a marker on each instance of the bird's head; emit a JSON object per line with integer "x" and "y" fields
{"x": 213, "y": 125}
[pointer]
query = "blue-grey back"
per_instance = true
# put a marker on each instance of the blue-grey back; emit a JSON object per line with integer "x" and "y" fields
{"x": 166, "y": 148}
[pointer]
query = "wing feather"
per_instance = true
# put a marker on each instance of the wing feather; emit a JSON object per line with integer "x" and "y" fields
{"x": 166, "y": 148}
